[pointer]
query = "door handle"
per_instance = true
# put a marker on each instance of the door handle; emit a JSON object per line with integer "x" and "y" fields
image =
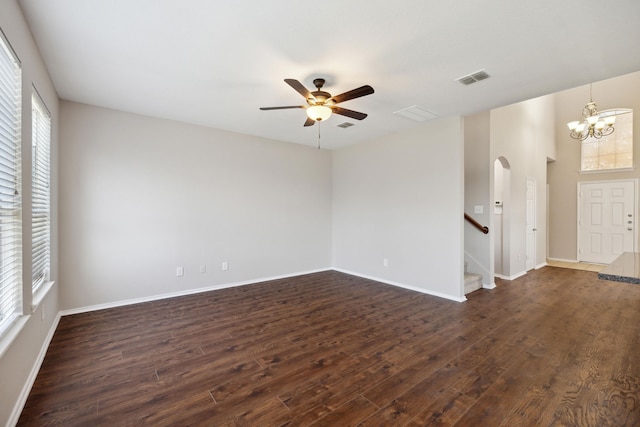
{"x": 629, "y": 228}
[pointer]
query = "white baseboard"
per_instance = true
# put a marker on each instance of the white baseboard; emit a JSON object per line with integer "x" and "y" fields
{"x": 31, "y": 379}
{"x": 490, "y": 286}
{"x": 562, "y": 259}
{"x": 401, "y": 285}
{"x": 539, "y": 266}
{"x": 512, "y": 277}
{"x": 122, "y": 303}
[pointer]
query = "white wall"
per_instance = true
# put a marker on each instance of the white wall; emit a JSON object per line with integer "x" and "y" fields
{"x": 18, "y": 361}
{"x": 524, "y": 135}
{"x": 401, "y": 198}
{"x": 477, "y": 172}
{"x": 141, "y": 196}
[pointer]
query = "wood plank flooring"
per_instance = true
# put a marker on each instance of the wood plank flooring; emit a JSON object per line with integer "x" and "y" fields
{"x": 556, "y": 347}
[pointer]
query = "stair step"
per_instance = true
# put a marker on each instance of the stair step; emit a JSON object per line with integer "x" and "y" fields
{"x": 472, "y": 282}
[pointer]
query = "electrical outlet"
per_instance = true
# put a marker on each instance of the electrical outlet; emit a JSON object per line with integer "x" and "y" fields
{"x": 385, "y": 262}
{"x": 225, "y": 265}
{"x": 180, "y": 271}
{"x": 203, "y": 268}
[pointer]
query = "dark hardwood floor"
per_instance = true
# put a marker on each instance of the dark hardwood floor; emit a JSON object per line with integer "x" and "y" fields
{"x": 556, "y": 347}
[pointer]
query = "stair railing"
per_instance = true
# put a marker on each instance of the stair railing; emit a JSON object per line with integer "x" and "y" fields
{"x": 476, "y": 224}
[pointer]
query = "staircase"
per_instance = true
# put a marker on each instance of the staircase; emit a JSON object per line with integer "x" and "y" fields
{"x": 472, "y": 281}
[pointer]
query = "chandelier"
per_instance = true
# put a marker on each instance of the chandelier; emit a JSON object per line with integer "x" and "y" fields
{"x": 593, "y": 123}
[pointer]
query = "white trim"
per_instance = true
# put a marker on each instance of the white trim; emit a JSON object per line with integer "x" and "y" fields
{"x": 26, "y": 389}
{"x": 539, "y": 266}
{"x": 401, "y": 285}
{"x": 562, "y": 259}
{"x": 491, "y": 286}
{"x": 12, "y": 333}
{"x": 513, "y": 277}
{"x": 631, "y": 169}
{"x": 14, "y": 330}
{"x": 39, "y": 295}
{"x": 122, "y": 303}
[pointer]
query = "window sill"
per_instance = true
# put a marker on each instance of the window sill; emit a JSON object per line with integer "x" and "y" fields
{"x": 631, "y": 169}
{"x": 12, "y": 333}
{"x": 42, "y": 292}
{"x": 20, "y": 321}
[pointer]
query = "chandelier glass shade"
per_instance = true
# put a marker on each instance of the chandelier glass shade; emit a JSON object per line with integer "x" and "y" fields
{"x": 318, "y": 112}
{"x": 593, "y": 124}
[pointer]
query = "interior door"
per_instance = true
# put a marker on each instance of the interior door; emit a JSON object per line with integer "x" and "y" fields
{"x": 530, "y": 226}
{"x": 606, "y": 220}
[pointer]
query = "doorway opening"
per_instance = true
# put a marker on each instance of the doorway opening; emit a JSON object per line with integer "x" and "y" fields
{"x": 501, "y": 211}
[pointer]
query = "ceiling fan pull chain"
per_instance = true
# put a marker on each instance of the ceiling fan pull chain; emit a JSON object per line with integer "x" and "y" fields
{"x": 319, "y": 126}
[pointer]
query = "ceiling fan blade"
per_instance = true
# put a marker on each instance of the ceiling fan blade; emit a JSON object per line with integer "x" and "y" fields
{"x": 299, "y": 88}
{"x": 309, "y": 122}
{"x": 281, "y": 108}
{"x": 355, "y": 93}
{"x": 349, "y": 113}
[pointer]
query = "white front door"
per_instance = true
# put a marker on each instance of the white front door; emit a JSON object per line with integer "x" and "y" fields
{"x": 606, "y": 220}
{"x": 530, "y": 226}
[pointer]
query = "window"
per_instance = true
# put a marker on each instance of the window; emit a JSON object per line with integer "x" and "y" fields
{"x": 40, "y": 195}
{"x": 10, "y": 187}
{"x": 610, "y": 152}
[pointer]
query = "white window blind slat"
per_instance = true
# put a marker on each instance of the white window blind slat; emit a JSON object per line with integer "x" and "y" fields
{"x": 10, "y": 187}
{"x": 40, "y": 198}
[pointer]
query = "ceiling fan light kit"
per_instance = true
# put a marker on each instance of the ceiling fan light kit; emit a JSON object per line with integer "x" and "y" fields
{"x": 318, "y": 112}
{"x": 321, "y": 105}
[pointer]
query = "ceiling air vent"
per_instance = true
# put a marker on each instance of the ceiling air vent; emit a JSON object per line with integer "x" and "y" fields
{"x": 473, "y": 77}
{"x": 416, "y": 113}
{"x": 345, "y": 125}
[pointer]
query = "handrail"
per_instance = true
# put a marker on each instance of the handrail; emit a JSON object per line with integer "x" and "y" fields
{"x": 476, "y": 224}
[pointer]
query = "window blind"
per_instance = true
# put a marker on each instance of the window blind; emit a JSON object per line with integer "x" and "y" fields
{"x": 40, "y": 193}
{"x": 10, "y": 187}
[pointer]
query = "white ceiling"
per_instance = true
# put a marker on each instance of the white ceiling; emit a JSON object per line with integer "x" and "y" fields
{"x": 214, "y": 62}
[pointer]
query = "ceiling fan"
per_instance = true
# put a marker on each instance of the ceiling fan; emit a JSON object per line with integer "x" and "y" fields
{"x": 320, "y": 104}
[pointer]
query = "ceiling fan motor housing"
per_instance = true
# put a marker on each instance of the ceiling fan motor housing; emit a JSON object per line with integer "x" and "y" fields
{"x": 319, "y": 97}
